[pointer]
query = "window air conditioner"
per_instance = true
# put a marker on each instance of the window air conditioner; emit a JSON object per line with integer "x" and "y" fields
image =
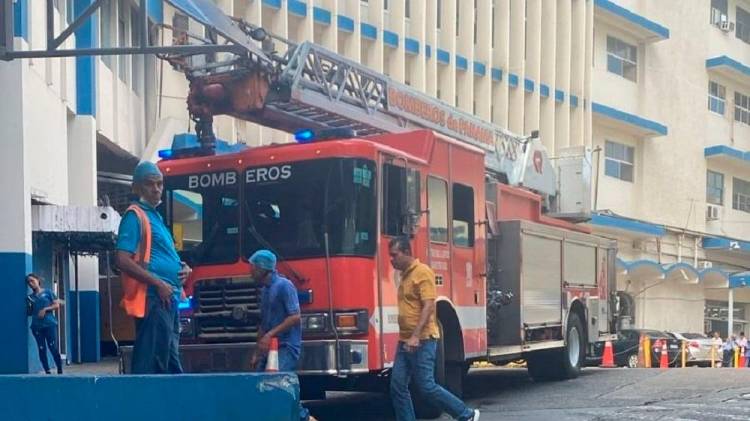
{"x": 726, "y": 26}
{"x": 712, "y": 213}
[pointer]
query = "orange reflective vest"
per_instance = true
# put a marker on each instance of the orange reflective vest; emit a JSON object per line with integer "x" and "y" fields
{"x": 134, "y": 291}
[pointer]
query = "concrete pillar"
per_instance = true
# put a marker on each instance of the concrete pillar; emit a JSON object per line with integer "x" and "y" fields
{"x": 577, "y": 72}
{"x": 83, "y": 192}
{"x": 532, "y": 69}
{"x": 562, "y": 75}
{"x": 516, "y": 106}
{"x": 18, "y": 351}
{"x": 500, "y": 60}
{"x": 547, "y": 75}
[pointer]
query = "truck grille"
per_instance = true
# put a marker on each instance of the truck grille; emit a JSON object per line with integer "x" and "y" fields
{"x": 227, "y": 310}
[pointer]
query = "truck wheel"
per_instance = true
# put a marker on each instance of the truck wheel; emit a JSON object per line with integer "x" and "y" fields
{"x": 575, "y": 351}
{"x": 563, "y": 363}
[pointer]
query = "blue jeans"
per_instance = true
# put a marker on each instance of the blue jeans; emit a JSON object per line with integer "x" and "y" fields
{"x": 288, "y": 360}
{"x": 420, "y": 365}
{"x": 46, "y": 337}
{"x": 157, "y": 340}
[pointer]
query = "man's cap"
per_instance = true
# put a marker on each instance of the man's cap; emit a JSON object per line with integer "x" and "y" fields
{"x": 263, "y": 259}
{"x": 145, "y": 169}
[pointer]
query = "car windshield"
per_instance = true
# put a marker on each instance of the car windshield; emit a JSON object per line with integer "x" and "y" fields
{"x": 202, "y": 212}
{"x": 289, "y": 208}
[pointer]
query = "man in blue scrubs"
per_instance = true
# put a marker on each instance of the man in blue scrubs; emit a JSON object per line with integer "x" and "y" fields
{"x": 42, "y": 303}
{"x": 157, "y": 334}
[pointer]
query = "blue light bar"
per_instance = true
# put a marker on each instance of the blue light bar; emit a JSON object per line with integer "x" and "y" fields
{"x": 304, "y": 136}
{"x": 185, "y": 305}
{"x": 166, "y": 153}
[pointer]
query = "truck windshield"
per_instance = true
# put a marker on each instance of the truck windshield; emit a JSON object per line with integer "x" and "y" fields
{"x": 290, "y": 207}
{"x": 202, "y": 210}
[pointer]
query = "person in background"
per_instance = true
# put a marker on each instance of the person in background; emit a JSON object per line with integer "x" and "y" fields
{"x": 42, "y": 304}
{"x": 728, "y": 351}
{"x": 716, "y": 343}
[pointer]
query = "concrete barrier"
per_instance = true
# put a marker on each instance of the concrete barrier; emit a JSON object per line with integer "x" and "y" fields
{"x": 241, "y": 396}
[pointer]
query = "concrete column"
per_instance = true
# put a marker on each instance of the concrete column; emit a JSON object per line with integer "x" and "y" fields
{"x": 578, "y": 70}
{"x": 18, "y": 352}
{"x": 516, "y": 106}
{"x": 500, "y": 60}
{"x": 372, "y": 50}
{"x": 447, "y": 41}
{"x": 587, "y": 83}
{"x": 730, "y": 316}
{"x": 350, "y": 42}
{"x": 430, "y": 38}
{"x": 562, "y": 75}
{"x": 532, "y": 69}
{"x": 82, "y": 166}
{"x": 547, "y": 75}
{"x": 483, "y": 54}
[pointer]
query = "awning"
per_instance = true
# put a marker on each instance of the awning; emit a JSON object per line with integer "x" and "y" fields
{"x": 681, "y": 272}
{"x": 640, "y": 27}
{"x": 725, "y": 155}
{"x": 739, "y": 280}
{"x": 621, "y": 225}
{"x": 727, "y": 247}
{"x": 729, "y": 68}
{"x": 83, "y": 229}
{"x": 627, "y": 122}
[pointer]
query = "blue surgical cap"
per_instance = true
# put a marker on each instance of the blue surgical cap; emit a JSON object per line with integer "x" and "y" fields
{"x": 144, "y": 170}
{"x": 264, "y": 259}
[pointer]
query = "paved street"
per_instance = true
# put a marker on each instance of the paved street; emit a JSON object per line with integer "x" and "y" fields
{"x": 598, "y": 394}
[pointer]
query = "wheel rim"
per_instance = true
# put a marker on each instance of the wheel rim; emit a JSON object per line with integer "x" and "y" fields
{"x": 574, "y": 347}
{"x": 633, "y": 361}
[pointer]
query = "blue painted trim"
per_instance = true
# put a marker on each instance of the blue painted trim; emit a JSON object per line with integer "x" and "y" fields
{"x": 630, "y": 119}
{"x": 90, "y": 325}
{"x": 443, "y": 56}
{"x": 428, "y": 51}
{"x": 636, "y": 19}
{"x": 21, "y": 19}
{"x": 368, "y": 31}
{"x": 497, "y": 74}
{"x": 728, "y": 151}
{"x": 411, "y": 45}
{"x": 479, "y": 68}
{"x": 276, "y": 4}
{"x": 559, "y": 95}
{"x": 512, "y": 79}
{"x": 222, "y": 396}
{"x": 156, "y": 10}
{"x": 297, "y": 7}
{"x": 461, "y": 62}
{"x": 739, "y": 280}
{"x": 573, "y": 101}
{"x": 628, "y": 224}
{"x": 86, "y": 37}
{"x": 345, "y": 23}
{"x": 729, "y": 62}
{"x": 725, "y": 243}
{"x": 528, "y": 85}
{"x": 18, "y": 349}
{"x": 321, "y": 15}
{"x": 390, "y": 39}
{"x": 544, "y": 90}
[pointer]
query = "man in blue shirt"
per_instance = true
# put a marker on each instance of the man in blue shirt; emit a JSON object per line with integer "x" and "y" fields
{"x": 279, "y": 312}
{"x": 157, "y": 334}
{"x": 42, "y": 302}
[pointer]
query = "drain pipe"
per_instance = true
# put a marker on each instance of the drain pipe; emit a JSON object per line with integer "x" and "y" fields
{"x": 78, "y": 310}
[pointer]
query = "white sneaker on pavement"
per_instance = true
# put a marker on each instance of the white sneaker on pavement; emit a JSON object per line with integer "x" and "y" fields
{"x": 475, "y": 417}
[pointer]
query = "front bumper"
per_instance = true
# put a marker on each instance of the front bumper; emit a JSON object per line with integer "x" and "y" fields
{"x": 318, "y": 357}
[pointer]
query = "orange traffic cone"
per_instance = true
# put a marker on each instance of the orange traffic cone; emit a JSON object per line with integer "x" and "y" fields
{"x": 608, "y": 359}
{"x": 743, "y": 360}
{"x": 272, "y": 362}
{"x": 664, "y": 359}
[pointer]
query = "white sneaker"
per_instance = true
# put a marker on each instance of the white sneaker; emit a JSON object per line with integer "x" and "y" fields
{"x": 475, "y": 417}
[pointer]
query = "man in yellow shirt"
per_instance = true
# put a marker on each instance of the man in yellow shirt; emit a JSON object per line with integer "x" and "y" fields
{"x": 418, "y": 335}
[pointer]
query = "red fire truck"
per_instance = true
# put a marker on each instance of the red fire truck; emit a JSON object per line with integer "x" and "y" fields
{"x": 374, "y": 159}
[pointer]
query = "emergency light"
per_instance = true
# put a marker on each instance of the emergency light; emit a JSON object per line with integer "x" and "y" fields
{"x": 309, "y": 135}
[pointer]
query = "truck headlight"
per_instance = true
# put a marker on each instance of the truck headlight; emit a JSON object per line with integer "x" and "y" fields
{"x": 314, "y": 322}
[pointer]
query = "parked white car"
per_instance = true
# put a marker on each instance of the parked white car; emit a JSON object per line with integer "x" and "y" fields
{"x": 698, "y": 348}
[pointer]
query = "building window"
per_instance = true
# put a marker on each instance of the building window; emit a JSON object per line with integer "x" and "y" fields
{"x": 463, "y": 215}
{"x": 458, "y": 18}
{"x": 385, "y": 4}
{"x": 714, "y": 188}
{"x": 622, "y": 58}
{"x": 475, "y": 21}
{"x": 742, "y": 28}
{"x": 716, "y": 97}
{"x": 619, "y": 161}
{"x": 742, "y": 108}
{"x": 437, "y": 199}
{"x": 407, "y": 9}
{"x": 741, "y": 195}
{"x": 719, "y": 10}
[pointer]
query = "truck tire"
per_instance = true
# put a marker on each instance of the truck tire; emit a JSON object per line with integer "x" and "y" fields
{"x": 560, "y": 364}
{"x": 447, "y": 374}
